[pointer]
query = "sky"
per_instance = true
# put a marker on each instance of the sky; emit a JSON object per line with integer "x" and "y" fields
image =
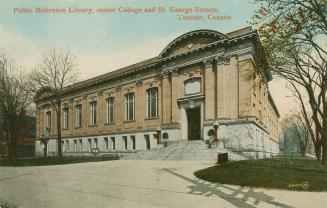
{"x": 104, "y": 42}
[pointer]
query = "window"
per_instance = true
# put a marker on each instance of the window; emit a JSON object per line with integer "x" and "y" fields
{"x": 106, "y": 144}
{"x": 110, "y": 109}
{"x": 129, "y": 106}
{"x": 93, "y": 114}
{"x": 133, "y": 142}
{"x": 147, "y": 141}
{"x": 66, "y": 111}
{"x": 78, "y": 116}
{"x": 113, "y": 142}
{"x": 152, "y": 102}
{"x": 125, "y": 142}
{"x": 48, "y": 120}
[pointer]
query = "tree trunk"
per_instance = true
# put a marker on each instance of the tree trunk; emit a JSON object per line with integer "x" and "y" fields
{"x": 11, "y": 148}
{"x": 59, "y": 129}
{"x": 45, "y": 149}
{"x": 318, "y": 152}
{"x": 303, "y": 151}
{"x": 324, "y": 156}
{"x": 324, "y": 152}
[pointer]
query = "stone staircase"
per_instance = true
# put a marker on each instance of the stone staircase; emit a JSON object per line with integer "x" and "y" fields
{"x": 184, "y": 150}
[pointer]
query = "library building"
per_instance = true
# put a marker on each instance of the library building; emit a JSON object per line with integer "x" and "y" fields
{"x": 199, "y": 79}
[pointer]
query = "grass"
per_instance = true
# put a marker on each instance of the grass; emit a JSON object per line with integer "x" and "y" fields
{"x": 295, "y": 174}
{"x": 37, "y": 161}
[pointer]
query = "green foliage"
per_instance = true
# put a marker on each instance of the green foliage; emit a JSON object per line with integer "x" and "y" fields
{"x": 56, "y": 160}
{"x": 211, "y": 132}
{"x": 269, "y": 173}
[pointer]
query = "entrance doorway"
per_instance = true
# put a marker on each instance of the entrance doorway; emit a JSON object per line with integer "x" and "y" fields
{"x": 194, "y": 123}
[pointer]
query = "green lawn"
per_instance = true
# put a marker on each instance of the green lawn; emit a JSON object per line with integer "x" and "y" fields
{"x": 55, "y": 161}
{"x": 295, "y": 174}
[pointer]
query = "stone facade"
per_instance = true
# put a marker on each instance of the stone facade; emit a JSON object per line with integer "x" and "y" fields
{"x": 200, "y": 77}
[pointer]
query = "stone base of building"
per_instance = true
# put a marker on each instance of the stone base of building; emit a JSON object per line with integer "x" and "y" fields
{"x": 241, "y": 135}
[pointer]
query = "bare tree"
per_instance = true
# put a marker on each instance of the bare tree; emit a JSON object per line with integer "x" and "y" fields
{"x": 16, "y": 97}
{"x": 56, "y": 70}
{"x": 292, "y": 33}
{"x": 296, "y": 124}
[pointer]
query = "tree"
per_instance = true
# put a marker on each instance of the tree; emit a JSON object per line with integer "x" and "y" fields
{"x": 16, "y": 96}
{"x": 295, "y": 126}
{"x": 293, "y": 33}
{"x": 56, "y": 70}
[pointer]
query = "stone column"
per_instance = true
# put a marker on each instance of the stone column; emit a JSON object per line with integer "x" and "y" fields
{"x": 175, "y": 89}
{"x": 166, "y": 98}
{"x": 209, "y": 90}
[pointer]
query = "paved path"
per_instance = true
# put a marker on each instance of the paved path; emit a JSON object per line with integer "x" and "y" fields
{"x": 144, "y": 184}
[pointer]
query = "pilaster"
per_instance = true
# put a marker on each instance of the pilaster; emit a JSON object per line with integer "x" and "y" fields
{"x": 166, "y": 97}
{"x": 209, "y": 89}
{"x": 175, "y": 91}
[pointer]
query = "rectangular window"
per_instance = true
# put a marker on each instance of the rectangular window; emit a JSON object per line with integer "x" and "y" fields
{"x": 78, "y": 116}
{"x": 113, "y": 142}
{"x": 129, "y": 106}
{"x": 93, "y": 113}
{"x": 125, "y": 142}
{"x": 106, "y": 144}
{"x": 66, "y": 111}
{"x": 48, "y": 120}
{"x": 133, "y": 142}
{"x": 152, "y": 102}
{"x": 110, "y": 109}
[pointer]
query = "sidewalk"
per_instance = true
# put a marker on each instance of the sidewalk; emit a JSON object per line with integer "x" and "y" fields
{"x": 136, "y": 184}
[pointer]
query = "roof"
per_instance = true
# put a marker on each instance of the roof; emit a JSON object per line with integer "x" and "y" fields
{"x": 153, "y": 60}
{"x": 271, "y": 100}
{"x": 239, "y": 32}
{"x": 115, "y": 72}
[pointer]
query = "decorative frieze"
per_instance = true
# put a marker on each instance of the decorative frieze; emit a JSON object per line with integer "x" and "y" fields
{"x": 208, "y": 63}
{"x": 139, "y": 82}
{"x": 100, "y": 92}
{"x": 223, "y": 59}
{"x": 164, "y": 73}
{"x": 117, "y": 86}
{"x": 174, "y": 71}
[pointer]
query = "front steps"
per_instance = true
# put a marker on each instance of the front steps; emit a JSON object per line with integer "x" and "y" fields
{"x": 184, "y": 150}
